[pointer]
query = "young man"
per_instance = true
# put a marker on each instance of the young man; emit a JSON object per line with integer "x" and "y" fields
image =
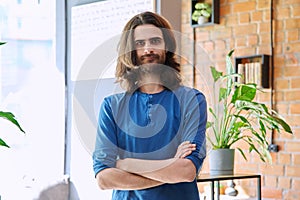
{"x": 151, "y": 139}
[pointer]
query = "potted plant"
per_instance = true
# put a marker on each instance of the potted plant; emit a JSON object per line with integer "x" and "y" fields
{"x": 202, "y": 13}
{"x": 236, "y": 116}
{"x": 10, "y": 117}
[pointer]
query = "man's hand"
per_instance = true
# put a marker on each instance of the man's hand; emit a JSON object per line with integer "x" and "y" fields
{"x": 185, "y": 149}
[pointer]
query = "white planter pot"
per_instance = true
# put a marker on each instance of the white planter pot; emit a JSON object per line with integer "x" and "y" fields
{"x": 202, "y": 20}
{"x": 221, "y": 161}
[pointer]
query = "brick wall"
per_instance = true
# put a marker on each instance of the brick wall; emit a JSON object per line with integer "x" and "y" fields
{"x": 245, "y": 27}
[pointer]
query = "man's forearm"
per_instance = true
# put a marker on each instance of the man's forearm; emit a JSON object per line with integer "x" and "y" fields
{"x": 172, "y": 170}
{"x": 113, "y": 178}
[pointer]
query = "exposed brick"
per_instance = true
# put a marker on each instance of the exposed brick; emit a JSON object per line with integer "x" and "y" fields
{"x": 270, "y": 181}
{"x": 221, "y": 34}
{"x": 296, "y": 159}
{"x": 265, "y": 39}
{"x": 284, "y": 182}
{"x": 282, "y": 108}
{"x": 241, "y": 30}
{"x": 263, "y": 4}
{"x": 256, "y": 16}
{"x": 292, "y": 71}
{"x": 279, "y": 62}
{"x": 202, "y": 36}
{"x": 292, "y": 47}
{"x": 282, "y": 84}
{"x": 220, "y": 44}
{"x": 279, "y": 96}
{"x": 225, "y": 10}
{"x": 272, "y": 169}
{"x": 283, "y": 13}
{"x": 295, "y": 82}
{"x": 284, "y": 158}
{"x": 292, "y": 59}
{"x": 264, "y": 49}
{"x": 279, "y": 37}
{"x": 296, "y": 11}
{"x": 243, "y": 7}
{"x": 292, "y": 23}
{"x": 209, "y": 46}
{"x": 292, "y": 171}
{"x": 295, "y": 108}
{"x": 231, "y": 21}
{"x": 252, "y": 39}
{"x": 293, "y": 120}
{"x": 240, "y": 42}
{"x": 264, "y": 27}
{"x": 278, "y": 49}
{"x": 293, "y": 147}
{"x": 245, "y": 51}
{"x": 292, "y": 195}
{"x": 296, "y": 184}
{"x": 296, "y": 131}
{"x": 293, "y": 35}
{"x": 244, "y": 18}
{"x": 266, "y": 15}
{"x": 271, "y": 193}
{"x": 279, "y": 25}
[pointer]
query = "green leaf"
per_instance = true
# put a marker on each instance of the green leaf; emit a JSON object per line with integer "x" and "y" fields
{"x": 241, "y": 151}
{"x": 229, "y": 66}
{"x": 222, "y": 94}
{"x": 200, "y": 6}
{"x": 10, "y": 117}
{"x": 283, "y": 124}
{"x": 216, "y": 74}
{"x": 209, "y": 124}
{"x": 244, "y": 93}
{"x": 2, "y": 143}
{"x": 1, "y": 43}
{"x": 230, "y": 53}
{"x": 212, "y": 112}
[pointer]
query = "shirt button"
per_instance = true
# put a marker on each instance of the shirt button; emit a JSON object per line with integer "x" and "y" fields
{"x": 150, "y": 96}
{"x": 150, "y": 105}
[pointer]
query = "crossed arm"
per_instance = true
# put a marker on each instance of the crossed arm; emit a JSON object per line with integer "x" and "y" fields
{"x": 135, "y": 174}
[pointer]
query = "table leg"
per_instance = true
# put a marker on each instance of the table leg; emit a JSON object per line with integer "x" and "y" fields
{"x": 218, "y": 190}
{"x": 259, "y": 188}
{"x": 212, "y": 190}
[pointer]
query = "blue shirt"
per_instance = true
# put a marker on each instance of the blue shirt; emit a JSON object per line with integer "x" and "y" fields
{"x": 152, "y": 126}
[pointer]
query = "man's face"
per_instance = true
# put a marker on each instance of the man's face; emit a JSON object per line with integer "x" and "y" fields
{"x": 149, "y": 44}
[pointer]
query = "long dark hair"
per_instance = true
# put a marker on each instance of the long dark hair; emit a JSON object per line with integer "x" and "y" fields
{"x": 127, "y": 65}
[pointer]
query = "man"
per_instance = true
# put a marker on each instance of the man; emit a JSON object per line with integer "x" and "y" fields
{"x": 151, "y": 139}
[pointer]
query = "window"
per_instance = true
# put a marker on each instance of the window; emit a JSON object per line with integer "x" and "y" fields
{"x": 31, "y": 87}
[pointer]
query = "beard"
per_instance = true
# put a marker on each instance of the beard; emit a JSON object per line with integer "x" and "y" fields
{"x": 151, "y": 58}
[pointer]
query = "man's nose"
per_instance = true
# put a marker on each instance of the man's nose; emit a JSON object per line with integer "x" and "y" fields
{"x": 148, "y": 48}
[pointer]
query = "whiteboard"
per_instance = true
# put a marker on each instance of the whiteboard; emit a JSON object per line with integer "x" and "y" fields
{"x": 95, "y": 23}
{"x": 94, "y": 32}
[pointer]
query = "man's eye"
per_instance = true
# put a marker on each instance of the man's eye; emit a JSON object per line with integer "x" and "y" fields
{"x": 155, "y": 41}
{"x": 139, "y": 43}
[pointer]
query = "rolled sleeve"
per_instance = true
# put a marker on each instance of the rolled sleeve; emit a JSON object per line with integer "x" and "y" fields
{"x": 195, "y": 128}
{"x": 105, "y": 153}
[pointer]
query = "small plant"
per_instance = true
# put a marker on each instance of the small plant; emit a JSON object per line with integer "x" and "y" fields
{"x": 10, "y": 117}
{"x": 201, "y": 9}
{"x": 236, "y": 116}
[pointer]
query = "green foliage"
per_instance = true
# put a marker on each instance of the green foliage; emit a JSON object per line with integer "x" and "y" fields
{"x": 236, "y": 116}
{"x": 10, "y": 117}
{"x": 201, "y": 9}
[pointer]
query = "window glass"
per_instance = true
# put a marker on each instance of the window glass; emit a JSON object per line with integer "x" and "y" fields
{"x": 32, "y": 88}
